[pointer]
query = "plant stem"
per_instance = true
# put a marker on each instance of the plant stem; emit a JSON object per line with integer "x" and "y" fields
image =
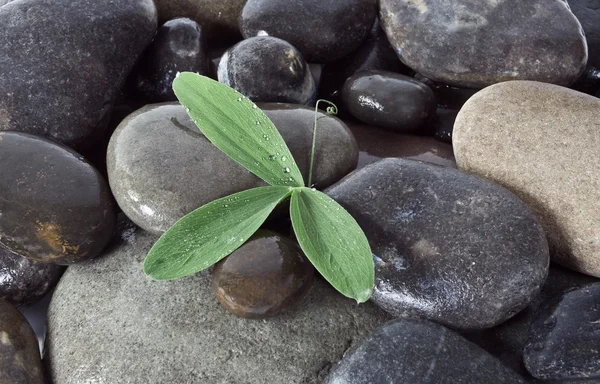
{"x": 332, "y": 110}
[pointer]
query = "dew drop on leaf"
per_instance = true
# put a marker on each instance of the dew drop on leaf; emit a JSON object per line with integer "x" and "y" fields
{"x": 271, "y": 157}
{"x": 283, "y": 158}
{"x": 286, "y": 170}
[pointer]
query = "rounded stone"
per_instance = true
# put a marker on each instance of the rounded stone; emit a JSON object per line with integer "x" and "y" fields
{"x": 20, "y": 361}
{"x": 263, "y": 277}
{"x": 177, "y": 332}
{"x": 54, "y": 206}
{"x": 268, "y": 69}
{"x": 178, "y": 46}
{"x": 551, "y": 162}
{"x": 161, "y": 167}
{"x": 448, "y": 246}
{"x": 323, "y": 30}
{"x": 474, "y": 45}
{"x": 389, "y": 100}
{"x": 64, "y": 88}
{"x": 588, "y": 14}
{"x": 24, "y": 281}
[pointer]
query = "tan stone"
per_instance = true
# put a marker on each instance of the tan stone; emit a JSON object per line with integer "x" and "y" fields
{"x": 542, "y": 141}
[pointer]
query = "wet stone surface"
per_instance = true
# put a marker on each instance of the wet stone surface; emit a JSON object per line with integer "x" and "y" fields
{"x": 20, "y": 361}
{"x": 268, "y": 69}
{"x": 65, "y": 212}
{"x": 263, "y": 277}
{"x": 24, "y": 281}
{"x": 448, "y": 246}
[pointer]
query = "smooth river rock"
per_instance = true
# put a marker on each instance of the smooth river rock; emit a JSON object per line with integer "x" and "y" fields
{"x": 475, "y": 44}
{"x": 24, "y": 281}
{"x": 542, "y": 142}
{"x": 161, "y": 167}
{"x": 64, "y": 88}
{"x": 322, "y": 30}
{"x": 137, "y": 331}
{"x": 588, "y": 14}
{"x": 54, "y": 206}
{"x": 448, "y": 246}
{"x": 419, "y": 352}
{"x": 20, "y": 361}
{"x": 564, "y": 337}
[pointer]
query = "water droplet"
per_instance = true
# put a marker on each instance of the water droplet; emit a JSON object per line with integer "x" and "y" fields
{"x": 225, "y": 206}
{"x": 286, "y": 170}
{"x": 271, "y": 157}
{"x": 256, "y": 163}
{"x": 266, "y": 137}
{"x": 313, "y": 189}
{"x": 254, "y": 106}
{"x": 276, "y": 153}
{"x": 283, "y": 158}
{"x": 258, "y": 123}
{"x": 239, "y": 99}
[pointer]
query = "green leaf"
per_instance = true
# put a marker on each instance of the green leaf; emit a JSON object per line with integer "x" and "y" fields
{"x": 237, "y": 127}
{"x": 333, "y": 242}
{"x": 211, "y": 232}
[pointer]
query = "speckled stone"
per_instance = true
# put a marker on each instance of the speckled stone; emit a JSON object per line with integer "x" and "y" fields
{"x": 179, "y": 45}
{"x": 217, "y": 18}
{"x": 564, "y": 337}
{"x": 262, "y": 278}
{"x": 419, "y": 352}
{"x": 475, "y": 44}
{"x": 448, "y": 246}
{"x": 588, "y": 14}
{"x": 64, "y": 211}
{"x": 389, "y": 100}
{"x": 24, "y": 281}
{"x": 375, "y": 144}
{"x": 64, "y": 88}
{"x": 323, "y": 30}
{"x": 268, "y": 69}
{"x": 177, "y": 332}
{"x": 541, "y": 141}
{"x": 158, "y": 177}
{"x": 20, "y": 361}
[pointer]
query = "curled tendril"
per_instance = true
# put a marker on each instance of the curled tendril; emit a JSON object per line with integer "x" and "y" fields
{"x": 331, "y": 110}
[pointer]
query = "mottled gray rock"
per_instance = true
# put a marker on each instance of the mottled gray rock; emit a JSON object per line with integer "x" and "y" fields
{"x": 179, "y": 45}
{"x": 564, "y": 336}
{"x": 323, "y": 30}
{"x": 419, "y": 352}
{"x": 65, "y": 88}
{"x": 448, "y": 246}
{"x": 475, "y": 44}
{"x": 588, "y": 14}
{"x": 136, "y": 331}
{"x": 268, "y": 69}
{"x": 551, "y": 162}
{"x": 217, "y": 18}
{"x": 24, "y": 281}
{"x": 389, "y": 100}
{"x": 20, "y": 361}
{"x": 54, "y": 206}
{"x": 161, "y": 167}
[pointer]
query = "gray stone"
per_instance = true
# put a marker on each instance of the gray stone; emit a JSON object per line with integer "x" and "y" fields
{"x": 62, "y": 88}
{"x": 448, "y": 246}
{"x": 217, "y": 18}
{"x": 588, "y": 14}
{"x": 20, "y": 361}
{"x": 419, "y": 352}
{"x": 268, "y": 69}
{"x": 179, "y": 45}
{"x": 542, "y": 142}
{"x": 24, "y": 281}
{"x": 475, "y": 44}
{"x": 136, "y": 331}
{"x": 161, "y": 167}
{"x": 389, "y": 100}
{"x": 322, "y": 30}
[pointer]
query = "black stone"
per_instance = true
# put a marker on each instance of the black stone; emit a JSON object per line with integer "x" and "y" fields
{"x": 323, "y": 30}
{"x": 447, "y": 96}
{"x": 389, "y": 100}
{"x": 588, "y": 14}
{"x": 476, "y": 44}
{"x": 448, "y": 246}
{"x": 63, "y": 63}
{"x": 268, "y": 69}
{"x": 443, "y": 124}
{"x": 179, "y": 46}
{"x": 55, "y": 207}
{"x": 419, "y": 352}
{"x": 564, "y": 336}
{"x": 24, "y": 281}
{"x": 20, "y": 361}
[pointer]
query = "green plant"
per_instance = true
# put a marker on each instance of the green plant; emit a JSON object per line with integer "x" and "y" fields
{"x": 328, "y": 234}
